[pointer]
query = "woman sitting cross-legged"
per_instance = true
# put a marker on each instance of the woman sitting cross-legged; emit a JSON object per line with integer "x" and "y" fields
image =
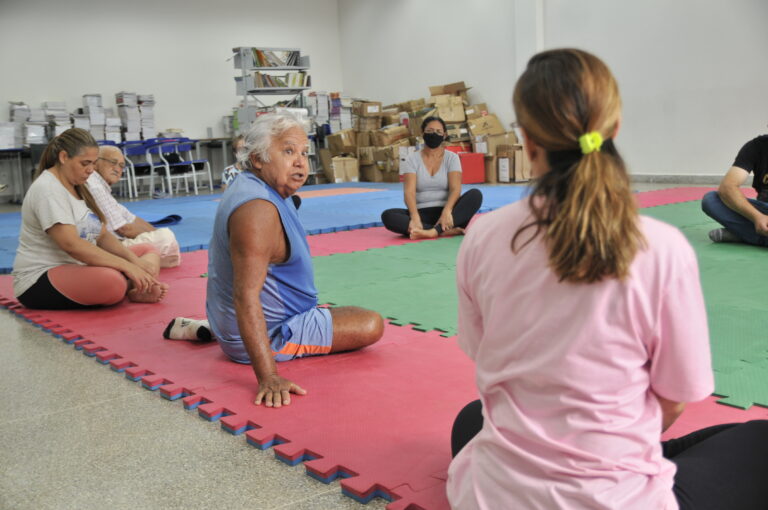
{"x": 66, "y": 257}
{"x": 432, "y": 190}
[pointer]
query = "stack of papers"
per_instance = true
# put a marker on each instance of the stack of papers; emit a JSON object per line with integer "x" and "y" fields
{"x": 147, "y": 113}
{"x": 319, "y": 106}
{"x": 81, "y": 121}
{"x": 131, "y": 120}
{"x": 34, "y": 132}
{"x": 8, "y": 135}
{"x": 126, "y": 99}
{"x": 19, "y": 112}
{"x": 57, "y": 115}
{"x": 113, "y": 129}
{"x": 92, "y": 100}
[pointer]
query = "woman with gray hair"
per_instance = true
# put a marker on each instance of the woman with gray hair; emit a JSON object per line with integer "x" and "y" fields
{"x": 261, "y": 298}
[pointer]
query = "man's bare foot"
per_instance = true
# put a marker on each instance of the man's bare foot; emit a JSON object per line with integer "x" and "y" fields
{"x": 418, "y": 233}
{"x": 154, "y": 295}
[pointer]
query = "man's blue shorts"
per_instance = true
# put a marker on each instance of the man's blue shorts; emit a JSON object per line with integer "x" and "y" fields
{"x": 306, "y": 334}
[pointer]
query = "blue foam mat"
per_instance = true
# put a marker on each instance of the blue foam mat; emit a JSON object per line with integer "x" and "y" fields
{"x": 318, "y": 214}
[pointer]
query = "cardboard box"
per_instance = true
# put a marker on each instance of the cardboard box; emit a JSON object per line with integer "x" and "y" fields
{"x": 416, "y": 118}
{"x": 476, "y": 110}
{"x": 344, "y": 169}
{"x": 367, "y": 108}
{"x": 485, "y": 125}
{"x": 491, "y": 172}
{"x": 365, "y": 155}
{"x": 450, "y": 108}
{"x": 522, "y": 165}
{"x": 455, "y": 89}
{"x": 327, "y": 164}
{"x": 389, "y": 135}
{"x": 413, "y": 105}
{"x": 364, "y": 138}
{"x": 342, "y": 142}
{"x": 371, "y": 173}
{"x": 390, "y": 117}
{"x": 367, "y": 123}
{"x": 506, "y": 166}
{"x": 457, "y": 132}
{"x": 494, "y": 141}
{"x": 388, "y": 158}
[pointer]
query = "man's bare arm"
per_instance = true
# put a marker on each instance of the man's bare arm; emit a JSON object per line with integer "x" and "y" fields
{"x": 731, "y": 196}
{"x": 255, "y": 241}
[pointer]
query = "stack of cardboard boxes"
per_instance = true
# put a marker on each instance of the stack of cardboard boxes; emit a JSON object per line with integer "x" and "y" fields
{"x": 384, "y": 136}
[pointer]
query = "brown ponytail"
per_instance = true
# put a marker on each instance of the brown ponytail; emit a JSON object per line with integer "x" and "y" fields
{"x": 583, "y": 204}
{"x": 72, "y": 141}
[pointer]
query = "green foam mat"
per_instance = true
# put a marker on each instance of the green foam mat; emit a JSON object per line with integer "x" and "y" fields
{"x": 415, "y": 284}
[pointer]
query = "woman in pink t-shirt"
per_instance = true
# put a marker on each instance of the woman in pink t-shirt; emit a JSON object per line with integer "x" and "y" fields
{"x": 588, "y": 328}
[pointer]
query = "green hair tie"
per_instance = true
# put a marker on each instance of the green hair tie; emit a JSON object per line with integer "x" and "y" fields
{"x": 591, "y": 142}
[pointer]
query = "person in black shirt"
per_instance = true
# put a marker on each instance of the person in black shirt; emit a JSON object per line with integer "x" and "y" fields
{"x": 743, "y": 219}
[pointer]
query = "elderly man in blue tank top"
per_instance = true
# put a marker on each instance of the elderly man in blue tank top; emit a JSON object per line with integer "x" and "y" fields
{"x": 261, "y": 298}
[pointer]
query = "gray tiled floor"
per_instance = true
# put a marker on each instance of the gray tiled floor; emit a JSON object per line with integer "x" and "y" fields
{"x": 76, "y": 435}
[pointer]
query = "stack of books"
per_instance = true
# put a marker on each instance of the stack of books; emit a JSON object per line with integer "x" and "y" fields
{"x": 147, "y": 114}
{"x": 19, "y": 114}
{"x": 112, "y": 129}
{"x": 340, "y": 112}
{"x": 58, "y": 117}
{"x": 94, "y": 109}
{"x": 274, "y": 58}
{"x": 127, "y": 107}
{"x": 8, "y": 135}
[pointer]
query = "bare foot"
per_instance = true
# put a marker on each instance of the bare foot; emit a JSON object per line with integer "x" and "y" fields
{"x": 455, "y": 231}
{"x": 418, "y": 233}
{"x": 154, "y": 295}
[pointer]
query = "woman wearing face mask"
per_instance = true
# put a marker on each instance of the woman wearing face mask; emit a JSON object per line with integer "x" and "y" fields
{"x": 432, "y": 190}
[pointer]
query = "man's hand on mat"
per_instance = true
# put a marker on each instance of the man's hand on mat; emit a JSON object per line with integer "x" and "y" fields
{"x": 415, "y": 224}
{"x": 446, "y": 220}
{"x": 276, "y": 391}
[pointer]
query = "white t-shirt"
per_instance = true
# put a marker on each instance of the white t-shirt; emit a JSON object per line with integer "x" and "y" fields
{"x": 47, "y": 203}
{"x": 567, "y": 372}
{"x": 431, "y": 190}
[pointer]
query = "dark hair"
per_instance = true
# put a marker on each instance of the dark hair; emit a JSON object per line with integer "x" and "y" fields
{"x": 432, "y": 119}
{"x": 72, "y": 141}
{"x": 583, "y": 204}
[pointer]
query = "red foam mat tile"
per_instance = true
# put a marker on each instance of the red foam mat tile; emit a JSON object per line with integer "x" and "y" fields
{"x": 676, "y": 195}
{"x": 354, "y": 240}
{"x": 698, "y": 415}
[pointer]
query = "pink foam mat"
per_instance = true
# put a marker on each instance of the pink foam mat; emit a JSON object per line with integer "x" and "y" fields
{"x": 677, "y": 195}
{"x": 379, "y": 417}
{"x": 708, "y": 412}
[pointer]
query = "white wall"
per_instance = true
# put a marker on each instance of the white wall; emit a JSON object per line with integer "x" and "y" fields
{"x": 394, "y": 50}
{"x": 693, "y": 75}
{"x": 175, "y": 49}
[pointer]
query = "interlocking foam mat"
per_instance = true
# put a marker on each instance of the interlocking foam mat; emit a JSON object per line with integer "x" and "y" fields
{"x": 391, "y": 438}
{"x": 325, "y": 208}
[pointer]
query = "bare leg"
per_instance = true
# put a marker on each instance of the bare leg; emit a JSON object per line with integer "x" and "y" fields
{"x": 355, "y": 327}
{"x": 150, "y": 255}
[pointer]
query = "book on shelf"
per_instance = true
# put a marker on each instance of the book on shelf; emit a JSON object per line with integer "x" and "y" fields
{"x": 270, "y": 58}
{"x": 288, "y": 80}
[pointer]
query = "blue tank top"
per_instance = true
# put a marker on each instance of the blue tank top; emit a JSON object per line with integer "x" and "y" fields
{"x": 289, "y": 288}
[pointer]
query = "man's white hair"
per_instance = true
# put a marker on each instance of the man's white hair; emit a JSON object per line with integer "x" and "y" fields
{"x": 266, "y": 127}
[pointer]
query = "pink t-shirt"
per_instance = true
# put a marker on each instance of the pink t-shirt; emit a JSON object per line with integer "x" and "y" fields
{"x": 567, "y": 372}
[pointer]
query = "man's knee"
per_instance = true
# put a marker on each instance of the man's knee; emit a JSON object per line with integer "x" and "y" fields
{"x": 710, "y": 202}
{"x": 372, "y": 327}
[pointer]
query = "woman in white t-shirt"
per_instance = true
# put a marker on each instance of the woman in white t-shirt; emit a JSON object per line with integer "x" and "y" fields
{"x": 432, "y": 190}
{"x": 66, "y": 257}
{"x": 587, "y": 325}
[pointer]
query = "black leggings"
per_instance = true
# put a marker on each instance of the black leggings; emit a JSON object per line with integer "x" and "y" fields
{"x": 397, "y": 220}
{"x": 44, "y": 296}
{"x": 720, "y": 467}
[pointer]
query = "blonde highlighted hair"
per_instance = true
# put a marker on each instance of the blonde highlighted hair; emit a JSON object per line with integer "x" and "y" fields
{"x": 73, "y": 142}
{"x": 583, "y": 205}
